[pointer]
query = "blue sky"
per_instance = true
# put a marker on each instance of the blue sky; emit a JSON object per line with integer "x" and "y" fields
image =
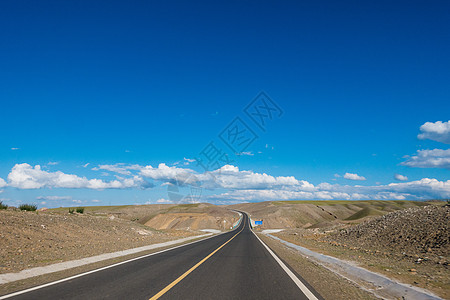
{"x": 146, "y": 83}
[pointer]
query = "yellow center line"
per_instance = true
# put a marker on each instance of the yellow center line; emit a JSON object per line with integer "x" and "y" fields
{"x": 167, "y": 288}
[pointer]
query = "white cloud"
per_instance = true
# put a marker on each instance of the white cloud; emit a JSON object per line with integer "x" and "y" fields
{"x": 54, "y": 198}
{"x": 353, "y": 176}
{"x": 188, "y": 161}
{"x": 120, "y": 168}
{"x": 86, "y": 165}
{"x": 425, "y": 188}
{"x": 337, "y": 175}
{"x": 438, "y": 131}
{"x": 169, "y": 174}
{"x": 227, "y": 176}
{"x": 241, "y": 185}
{"x": 162, "y": 173}
{"x": 245, "y": 153}
{"x": 15, "y": 148}
{"x": 43, "y": 202}
{"x": 2, "y": 183}
{"x": 436, "y": 158}
{"x": 53, "y": 163}
{"x": 163, "y": 201}
{"x": 276, "y": 195}
{"x": 96, "y": 201}
{"x": 77, "y": 201}
{"x": 231, "y": 177}
{"x": 400, "y": 177}
{"x": 24, "y": 176}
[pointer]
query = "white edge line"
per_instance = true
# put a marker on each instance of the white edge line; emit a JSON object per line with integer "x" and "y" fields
{"x": 101, "y": 269}
{"x": 294, "y": 278}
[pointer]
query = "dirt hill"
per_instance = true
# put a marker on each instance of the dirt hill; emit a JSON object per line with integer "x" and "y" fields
{"x": 410, "y": 245}
{"x": 414, "y": 230}
{"x": 320, "y": 214}
{"x": 194, "y": 217}
{"x": 31, "y": 239}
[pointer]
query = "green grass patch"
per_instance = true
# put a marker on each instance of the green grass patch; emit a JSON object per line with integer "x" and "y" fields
{"x": 380, "y": 203}
{"x": 3, "y": 206}
{"x": 28, "y": 207}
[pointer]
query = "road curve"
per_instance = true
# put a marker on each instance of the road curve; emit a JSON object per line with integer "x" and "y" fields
{"x": 233, "y": 265}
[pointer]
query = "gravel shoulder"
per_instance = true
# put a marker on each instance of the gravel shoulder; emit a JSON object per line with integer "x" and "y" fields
{"x": 410, "y": 246}
{"x": 326, "y": 283}
{"x": 43, "y": 279}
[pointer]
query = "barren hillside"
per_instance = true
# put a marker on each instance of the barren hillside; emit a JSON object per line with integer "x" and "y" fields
{"x": 410, "y": 245}
{"x": 315, "y": 214}
{"x": 30, "y": 239}
{"x": 416, "y": 231}
{"x": 194, "y": 217}
{"x": 170, "y": 216}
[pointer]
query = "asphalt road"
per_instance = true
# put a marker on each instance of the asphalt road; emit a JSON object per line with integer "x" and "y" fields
{"x": 233, "y": 265}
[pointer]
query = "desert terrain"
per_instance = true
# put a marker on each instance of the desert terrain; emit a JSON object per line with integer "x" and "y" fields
{"x": 31, "y": 239}
{"x": 404, "y": 240}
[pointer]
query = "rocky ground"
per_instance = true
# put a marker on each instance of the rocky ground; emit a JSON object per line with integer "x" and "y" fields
{"x": 410, "y": 245}
{"x": 31, "y": 239}
{"x": 414, "y": 231}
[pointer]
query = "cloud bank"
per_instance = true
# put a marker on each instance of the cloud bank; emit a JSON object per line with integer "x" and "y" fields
{"x": 226, "y": 184}
{"x": 400, "y": 177}
{"x": 24, "y": 176}
{"x": 436, "y": 158}
{"x": 54, "y": 198}
{"x": 352, "y": 176}
{"x": 438, "y": 131}
{"x": 230, "y": 177}
{"x": 415, "y": 190}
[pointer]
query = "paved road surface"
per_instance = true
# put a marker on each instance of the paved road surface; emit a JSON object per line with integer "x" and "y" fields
{"x": 233, "y": 265}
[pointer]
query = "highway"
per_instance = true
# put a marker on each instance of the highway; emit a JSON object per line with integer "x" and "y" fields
{"x": 233, "y": 265}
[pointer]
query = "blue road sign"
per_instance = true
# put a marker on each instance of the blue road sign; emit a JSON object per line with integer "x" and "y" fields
{"x": 258, "y": 222}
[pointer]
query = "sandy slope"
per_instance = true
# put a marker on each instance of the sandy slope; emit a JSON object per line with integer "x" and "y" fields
{"x": 316, "y": 214}
{"x": 30, "y": 239}
{"x": 194, "y": 217}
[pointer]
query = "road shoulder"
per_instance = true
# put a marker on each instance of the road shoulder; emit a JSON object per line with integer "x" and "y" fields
{"x": 326, "y": 283}
{"x": 19, "y": 285}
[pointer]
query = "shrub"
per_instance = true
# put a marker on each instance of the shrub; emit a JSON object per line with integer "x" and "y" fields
{"x": 80, "y": 210}
{"x": 71, "y": 210}
{"x": 28, "y": 207}
{"x": 3, "y": 206}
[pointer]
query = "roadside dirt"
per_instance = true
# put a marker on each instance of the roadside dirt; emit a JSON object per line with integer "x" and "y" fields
{"x": 31, "y": 239}
{"x": 326, "y": 283}
{"x": 411, "y": 246}
{"x": 414, "y": 231}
